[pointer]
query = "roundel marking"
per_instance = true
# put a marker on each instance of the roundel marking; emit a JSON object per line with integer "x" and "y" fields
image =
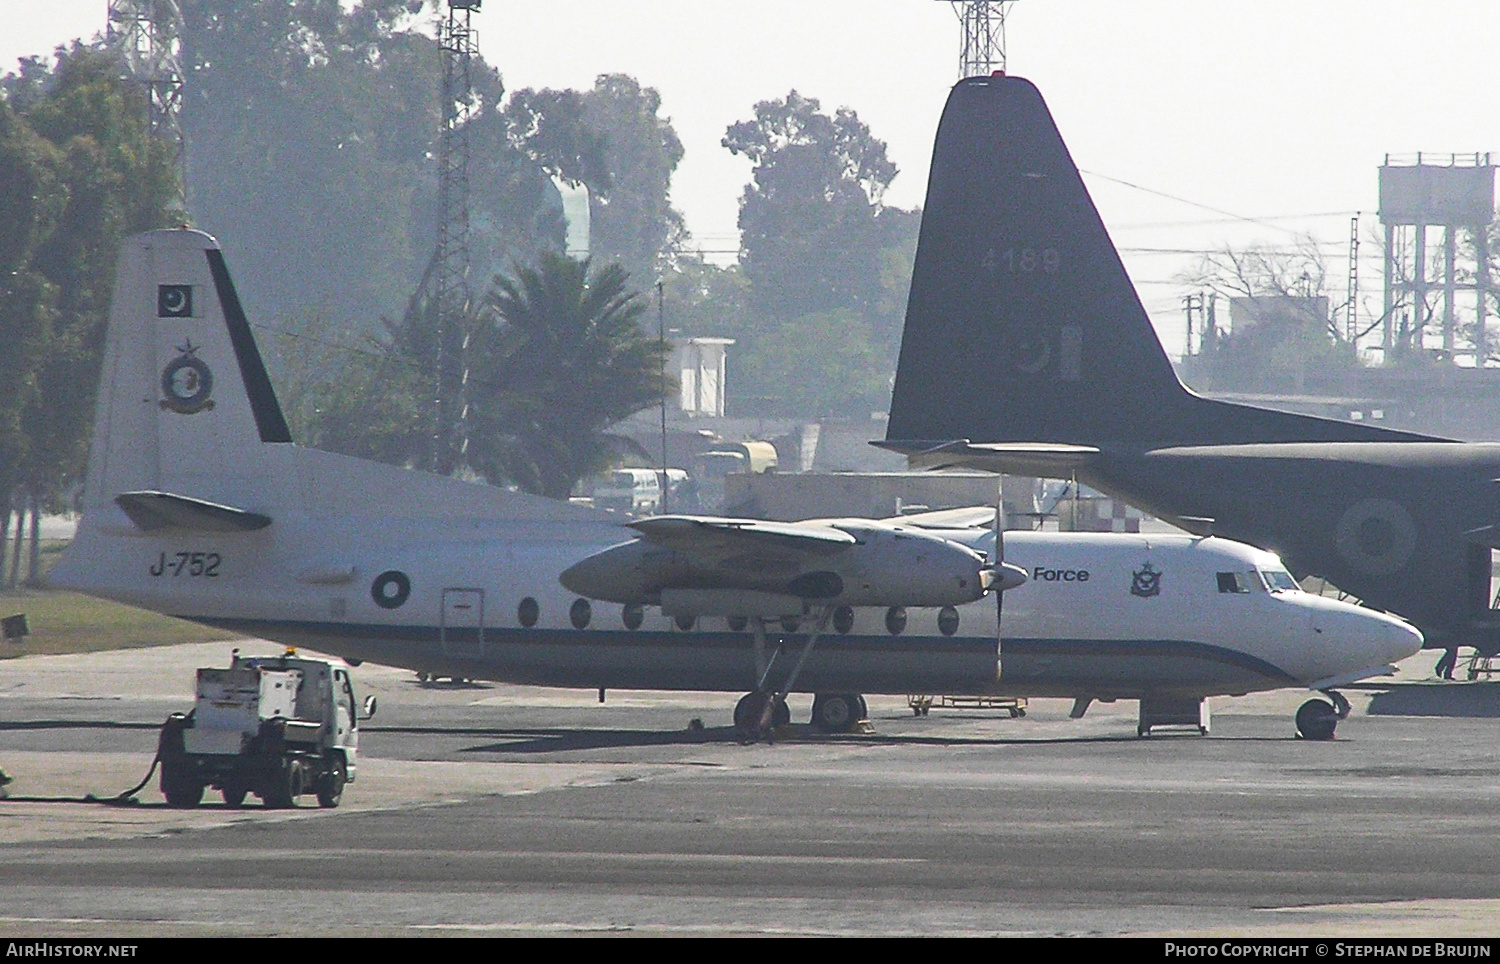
{"x": 390, "y": 589}
{"x": 187, "y": 384}
{"x": 1376, "y": 536}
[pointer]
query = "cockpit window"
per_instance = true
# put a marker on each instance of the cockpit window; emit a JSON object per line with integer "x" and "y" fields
{"x": 1279, "y": 580}
{"x": 1241, "y": 582}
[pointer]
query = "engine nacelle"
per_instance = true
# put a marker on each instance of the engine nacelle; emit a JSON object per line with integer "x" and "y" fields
{"x": 881, "y": 565}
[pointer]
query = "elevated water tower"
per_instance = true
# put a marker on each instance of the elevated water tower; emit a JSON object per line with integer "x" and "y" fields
{"x": 1450, "y": 193}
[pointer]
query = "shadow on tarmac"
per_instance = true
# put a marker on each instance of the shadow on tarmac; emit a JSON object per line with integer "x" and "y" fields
{"x": 514, "y": 740}
{"x": 1437, "y": 699}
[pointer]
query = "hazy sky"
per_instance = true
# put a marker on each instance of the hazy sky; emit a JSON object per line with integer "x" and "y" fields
{"x": 1277, "y": 111}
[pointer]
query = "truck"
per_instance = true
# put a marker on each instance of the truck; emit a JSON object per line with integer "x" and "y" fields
{"x": 278, "y": 727}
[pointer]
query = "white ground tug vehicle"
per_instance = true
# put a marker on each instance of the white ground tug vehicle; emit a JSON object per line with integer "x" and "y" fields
{"x": 277, "y": 727}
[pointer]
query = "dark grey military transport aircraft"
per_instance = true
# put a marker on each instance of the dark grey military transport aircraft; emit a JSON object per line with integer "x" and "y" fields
{"x": 1026, "y": 350}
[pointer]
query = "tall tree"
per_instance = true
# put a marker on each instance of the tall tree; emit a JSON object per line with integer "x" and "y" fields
{"x": 811, "y": 220}
{"x": 822, "y": 254}
{"x": 633, "y": 222}
{"x": 310, "y": 129}
{"x": 561, "y": 357}
{"x": 611, "y": 140}
{"x": 82, "y": 172}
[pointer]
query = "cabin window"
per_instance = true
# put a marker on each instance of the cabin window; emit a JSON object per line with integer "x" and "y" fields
{"x": 633, "y": 615}
{"x": 685, "y": 621}
{"x": 580, "y": 613}
{"x": 947, "y": 620}
{"x": 843, "y": 619}
{"x": 738, "y": 623}
{"x": 528, "y": 612}
{"x": 895, "y": 620}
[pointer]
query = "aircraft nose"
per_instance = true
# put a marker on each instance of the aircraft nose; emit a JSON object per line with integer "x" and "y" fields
{"x": 1401, "y": 639}
{"x": 1378, "y": 638}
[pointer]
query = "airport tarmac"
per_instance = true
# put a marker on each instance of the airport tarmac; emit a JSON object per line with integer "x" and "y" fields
{"x": 491, "y": 809}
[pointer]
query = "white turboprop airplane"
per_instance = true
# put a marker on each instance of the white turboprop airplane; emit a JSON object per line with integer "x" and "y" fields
{"x": 199, "y": 506}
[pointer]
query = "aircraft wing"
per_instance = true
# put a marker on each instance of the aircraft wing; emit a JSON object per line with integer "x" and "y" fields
{"x": 708, "y": 536}
{"x": 1049, "y": 460}
{"x": 747, "y": 565}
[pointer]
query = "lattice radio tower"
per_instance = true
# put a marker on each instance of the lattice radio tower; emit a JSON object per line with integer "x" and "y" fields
{"x": 448, "y": 274}
{"x": 983, "y": 50}
{"x": 147, "y": 34}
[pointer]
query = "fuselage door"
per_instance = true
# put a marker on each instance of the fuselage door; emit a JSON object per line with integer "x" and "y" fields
{"x": 461, "y": 631}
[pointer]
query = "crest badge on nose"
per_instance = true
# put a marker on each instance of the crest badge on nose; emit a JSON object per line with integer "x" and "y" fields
{"x": 1146, "y": 581}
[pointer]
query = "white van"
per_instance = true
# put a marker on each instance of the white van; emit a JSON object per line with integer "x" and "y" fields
{"x": 637, "y": 491}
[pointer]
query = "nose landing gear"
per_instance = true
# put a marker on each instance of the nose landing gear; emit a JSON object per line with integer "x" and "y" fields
{"x": 1316, "y": 719}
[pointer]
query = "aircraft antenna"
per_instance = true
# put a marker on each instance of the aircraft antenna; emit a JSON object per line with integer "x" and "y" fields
{"x": 147, "y": 35}
{"x": 661, "y": 329}
{"x": 1351, "y": 324}
{"x": 982, "y": 50}
{"x": 450, "y": 297}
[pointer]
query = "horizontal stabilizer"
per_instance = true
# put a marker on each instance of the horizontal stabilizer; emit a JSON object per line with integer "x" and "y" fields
{"x": 1049, "y": 460}
{"x": 968, "y": 517}
{"x": 1484, "y": 536}
{"x": 1196, "y": 524}
{"x": 151, "y": 511}
{"x": 688, "y": 533}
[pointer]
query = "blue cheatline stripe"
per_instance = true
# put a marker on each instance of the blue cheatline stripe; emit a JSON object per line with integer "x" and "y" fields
{"x": 1128, "y": 648}
{"x": 622, "y": 638}
{"x": 269, "y": 421}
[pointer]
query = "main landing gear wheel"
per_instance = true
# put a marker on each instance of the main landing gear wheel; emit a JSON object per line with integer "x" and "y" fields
{"x": 750, "y": 712}
{"x": 838, "y": 712}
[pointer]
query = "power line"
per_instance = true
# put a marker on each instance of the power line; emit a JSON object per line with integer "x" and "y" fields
{"x": 1263, "y": 222}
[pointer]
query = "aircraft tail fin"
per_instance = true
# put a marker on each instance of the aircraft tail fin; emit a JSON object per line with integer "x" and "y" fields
{"x": 1022, "y": 324}
{"x": 184, "y": 400}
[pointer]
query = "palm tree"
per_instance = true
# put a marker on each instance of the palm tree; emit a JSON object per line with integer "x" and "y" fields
{"x": 558, "y": 357}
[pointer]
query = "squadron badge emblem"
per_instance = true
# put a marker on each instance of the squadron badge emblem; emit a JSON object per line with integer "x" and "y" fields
{"x": 1146, "y": 581}
{"x": 187, "y": 382}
